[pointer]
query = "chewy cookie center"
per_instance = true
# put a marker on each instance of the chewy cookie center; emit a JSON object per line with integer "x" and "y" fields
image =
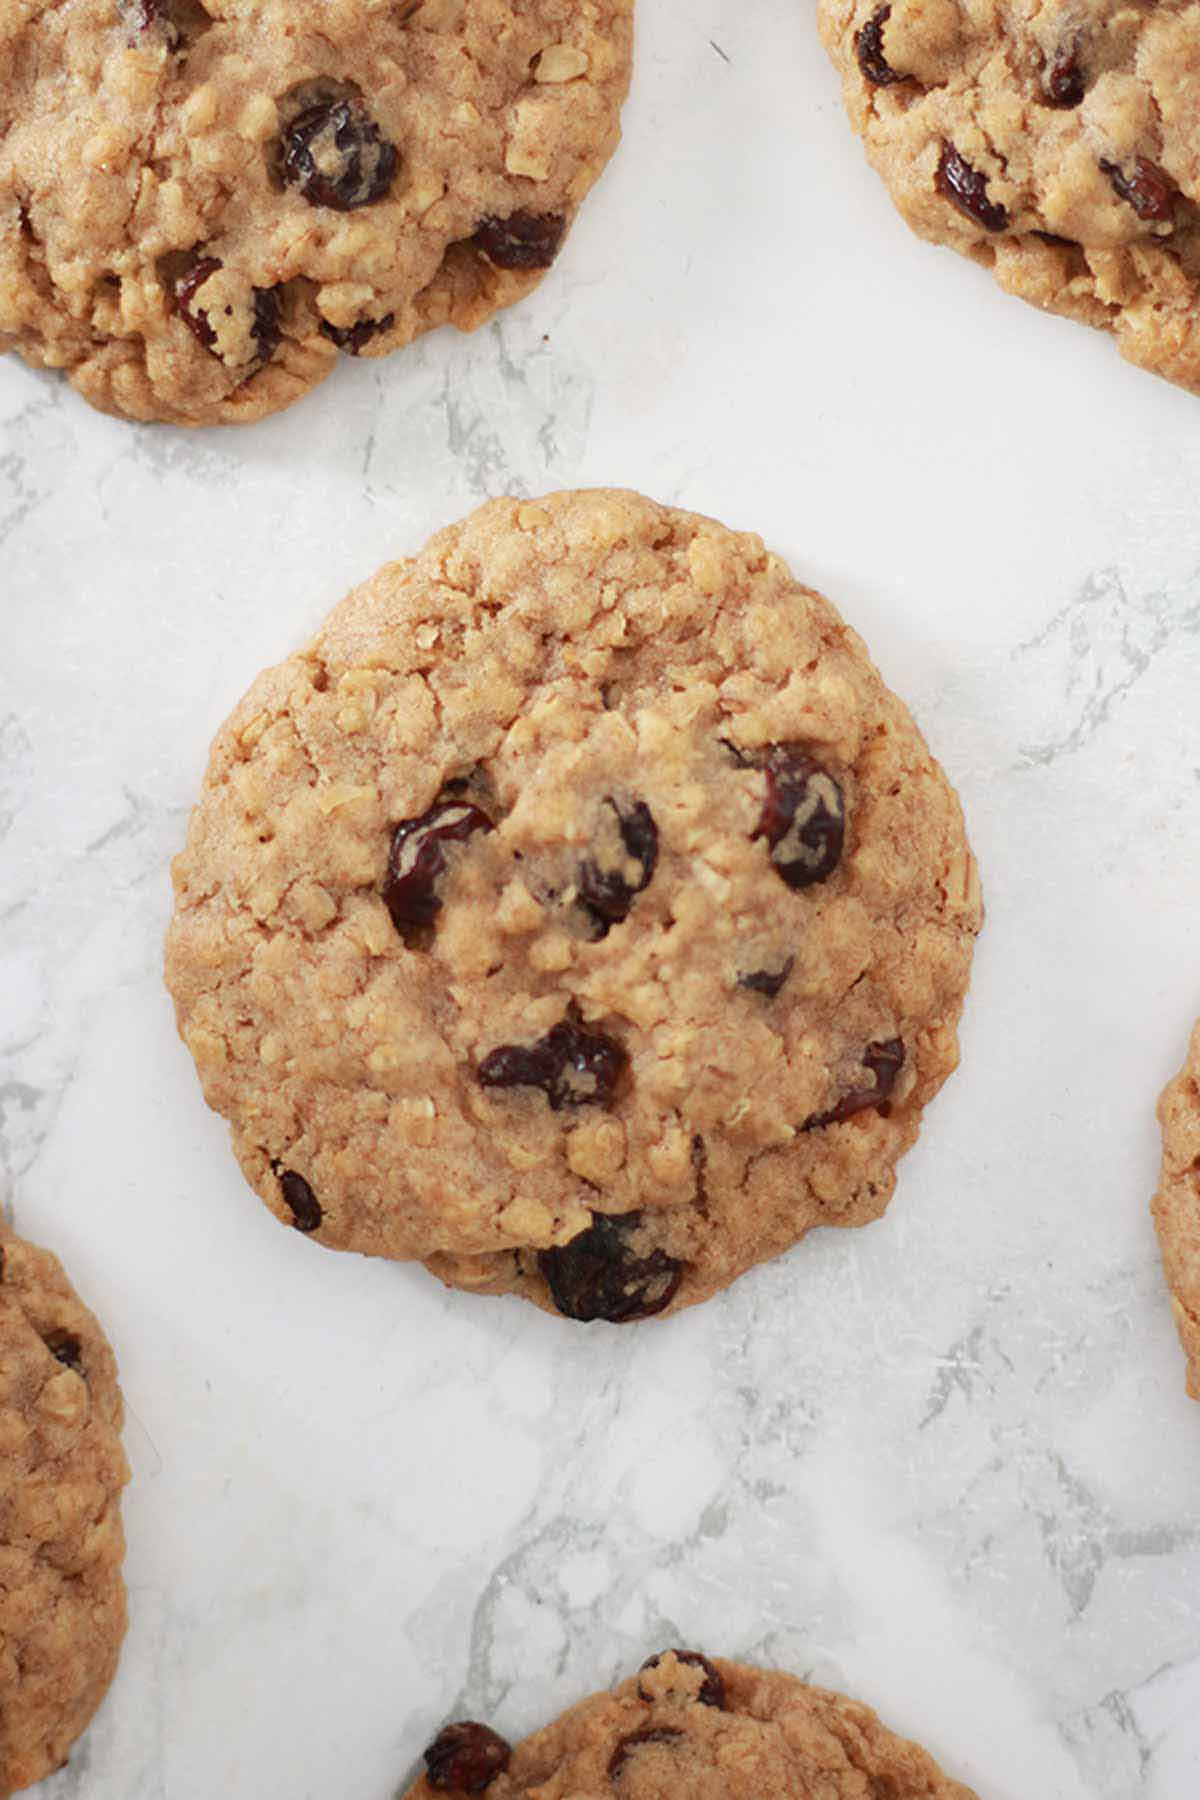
{"x": 561, "y": 904}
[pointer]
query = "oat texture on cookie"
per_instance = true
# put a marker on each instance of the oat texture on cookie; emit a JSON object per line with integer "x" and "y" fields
{"x": 1177, "y": 1205}
{"x": 62, "y": 1599}
{"x": 1054, "y": 144}
{"x": 203, "y": 203}
{"x": 578, "y": 913}
{"x": 692, "y": 1727}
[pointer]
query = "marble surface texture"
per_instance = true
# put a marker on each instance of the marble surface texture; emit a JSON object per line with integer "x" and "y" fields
{"x": 945, "y": 1463}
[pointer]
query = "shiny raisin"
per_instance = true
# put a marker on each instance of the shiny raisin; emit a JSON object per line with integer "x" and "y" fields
{"x": 353, "y": 339}
{"x": 966, "y": 188}
{"x": 883, "y": 1062}
{"x": 868, "y": 47}
{"x": 606, "y": 888}
{"x": 66, "y": 1348}
{"x": 465, "y": 1758}
{"x": 524, "y": 240}
{"x": 1149, "y": 190}
{"x": 417, "y": 860}
{"x": 265, "y": 330}
{"x": 300, "y": 1200}
{"x": 599, "y": 1275}
{"x": 179, "y": 22}
{"x": 1064, "y": 83}
{"x": 767, "y": 981}
{"x": 573, "y": 1067}
{"x": 712, "y": 1688}
{"x": 335, "y": 154}
{"x": 803, "y": 817}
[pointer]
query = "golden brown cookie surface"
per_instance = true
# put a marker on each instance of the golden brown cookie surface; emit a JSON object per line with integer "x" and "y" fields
{"x": 203, "y": 205}
{"x": 690, "y": 1727}
{"x": 62, "y": 1599}
{"x": 1177, "y": 1204}
{"x": 1054, "y": 144}
{"x": 578, "y": 912}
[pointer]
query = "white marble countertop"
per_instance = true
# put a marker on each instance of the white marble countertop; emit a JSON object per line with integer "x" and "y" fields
{"x": 945, "y": 1463}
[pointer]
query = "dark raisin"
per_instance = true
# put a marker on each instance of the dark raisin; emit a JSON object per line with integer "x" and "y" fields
{"x": 654, "y": 1734}
{"x": 712, "y": 1688}
{"x": 606, "y": 890}
{"x": 264, "y": 320}
{"x": 417, "y": 860}
{"x": 1063, "y": 82}
{"x": 573, "y": 1067}
{"x": 1052, "y": 237}
{"x": 336, "y": 155}
{"x": 868, "y": 47}
{"x": 767, "y": 981}
{"x": 353, "y": 339}
{"x": 803, "y": 817}
{"x": 524, "y": 240}
{"x": 265, "y": 328}
{"x": 1149, "y": 190}
{"x": 66, "y": 1347}
{"x": 185, "y": 292}
{"x": 966, "y": 188}
{"x": 179, "y": 22}
{"x": 598, "y": 1275}
{"x": 884, "y": 1062}
{"x": 700, "y": 1174}
{"x": 466, "y": 1758}
{"x": 300, "y": 1199}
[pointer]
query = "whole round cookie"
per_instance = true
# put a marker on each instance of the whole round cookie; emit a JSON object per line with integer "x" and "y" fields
{"x": 695, "y": 1728}
{"x": 1055, "y": 144}
{"x": 579, "y": 913}
{"x": 1177, "y": 1204}
{"x": 204, "y": 202}
{"x": 62, "y": 1599}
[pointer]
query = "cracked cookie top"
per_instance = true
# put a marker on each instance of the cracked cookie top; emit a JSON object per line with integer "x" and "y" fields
{"x": 1055, "y": 144}
{"x": 62, "y": 1599}
{"x": 204, "y": 202}
{"x": 579, "y": 912}
{"x": 698, "y": 1728}
{"x": 1177, "y": 1204}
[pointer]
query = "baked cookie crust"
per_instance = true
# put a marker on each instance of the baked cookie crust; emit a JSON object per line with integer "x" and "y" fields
{"x": 1054, "y": 144}
{"x": 698, "y": 1728}
{"x": 1176, "y": 1205}
{"x": 62, "y": 1468}
{"x": 204, "y": 202}
{"x": 578, "y": 913}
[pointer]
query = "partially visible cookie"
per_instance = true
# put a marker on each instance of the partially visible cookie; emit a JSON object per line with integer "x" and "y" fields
{"x": 578, "y": 913}
{"x": 62, "y": 1468}
{"x": 690, "y": 1727}
{"x": 1055, "y": 144}
{"x": 204, "y": 202}
{"x": 1177, "y": 1204}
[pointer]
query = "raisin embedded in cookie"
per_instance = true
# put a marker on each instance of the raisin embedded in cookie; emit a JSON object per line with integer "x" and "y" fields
{"x": 578, "y": 913}
{"x": 203, "y": 203}
{"x": 62, "y": 1599}
{"x": 1054, "y": 144}
{"x": 697, "y": 1728}
{"x": 1177, "y": 1204}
